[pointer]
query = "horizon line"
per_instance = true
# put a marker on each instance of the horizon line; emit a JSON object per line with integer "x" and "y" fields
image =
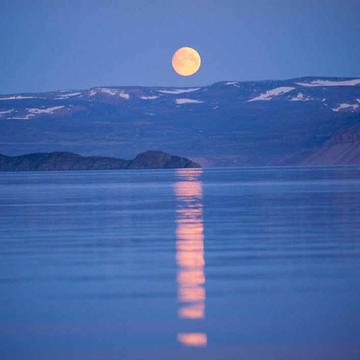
{"x": 183, "y": 87}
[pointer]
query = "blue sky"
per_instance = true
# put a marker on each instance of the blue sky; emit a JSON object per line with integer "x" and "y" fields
{"x": 58, "y": 44}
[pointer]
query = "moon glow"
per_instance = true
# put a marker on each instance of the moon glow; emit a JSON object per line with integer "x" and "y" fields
{"x": 186, "y": 61}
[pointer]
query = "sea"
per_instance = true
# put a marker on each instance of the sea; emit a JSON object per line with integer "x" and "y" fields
{"x": 221, "y": 263}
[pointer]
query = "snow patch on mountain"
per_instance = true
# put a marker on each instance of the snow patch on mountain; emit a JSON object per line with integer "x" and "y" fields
{"x": 48, "y": 110}
{"x": 124, "y": 95}
{"x": 232, "y": 83}
{"x": 346, "y": 107}
{"x": 188, "y": 101}
{"x": 17, "y": 97}
{"x": 110, "y": 92}
{"x": 6, "y": 112}
{"x": 301, "y": 97}
{"x": 319, "y": 83}
{"x": 24, "y": 117}
{"x": 149, "y": 97}
{"x": 33, "y": 112}
{"x": 268, "y": 95}
{"x": 178, "y": 91}
{"x": 67, "y": 95}
{"x": 106, "y": 91}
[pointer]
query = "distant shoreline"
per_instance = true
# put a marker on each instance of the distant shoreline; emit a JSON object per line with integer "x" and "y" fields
{"x": 65, "y": 161}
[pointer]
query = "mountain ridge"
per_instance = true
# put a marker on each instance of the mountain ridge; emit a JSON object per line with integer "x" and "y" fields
{"x": 229, "y": 123}
{"x": 216, "y": 83}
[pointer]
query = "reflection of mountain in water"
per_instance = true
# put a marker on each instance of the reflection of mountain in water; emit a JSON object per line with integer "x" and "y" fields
{"x": 190, "y": 253}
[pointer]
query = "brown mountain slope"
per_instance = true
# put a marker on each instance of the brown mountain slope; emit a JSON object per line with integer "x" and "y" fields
{"x": 341, "y": 149}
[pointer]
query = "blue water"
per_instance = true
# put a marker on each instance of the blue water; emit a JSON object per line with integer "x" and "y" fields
{"x": 256, "y": 263}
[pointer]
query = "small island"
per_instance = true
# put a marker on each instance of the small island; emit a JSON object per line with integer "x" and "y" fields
{"x": 61, "y": 161}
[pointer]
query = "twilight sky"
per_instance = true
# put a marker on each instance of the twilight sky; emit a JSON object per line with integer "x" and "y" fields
{"x": 72, "y": 44}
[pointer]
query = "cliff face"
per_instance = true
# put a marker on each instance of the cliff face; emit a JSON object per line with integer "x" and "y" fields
{"x": 70, "y": 161}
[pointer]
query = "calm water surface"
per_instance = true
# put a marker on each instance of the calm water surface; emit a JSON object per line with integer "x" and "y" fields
{"x": 257, "y": 263}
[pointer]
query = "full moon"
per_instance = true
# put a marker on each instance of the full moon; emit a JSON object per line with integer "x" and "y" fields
{"x": 186, "y": 61}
